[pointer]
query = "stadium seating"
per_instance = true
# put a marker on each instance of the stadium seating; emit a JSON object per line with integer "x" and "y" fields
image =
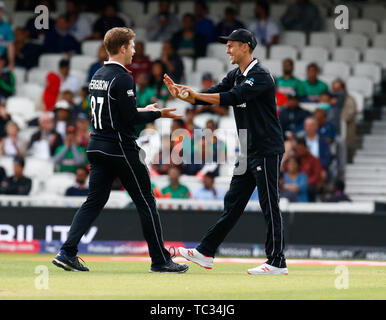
{"x": 323, "y": 39}
{"x": 379, "y": 41}
{"x": 50, "y": 61}
{"x": 20, "y": 75}
{"x": 376, "y": 55}
{"x": 318, "y": 55}
{"x": 362, "y": 85}
{"x": 337, "y": 69}
{"x": 274, "y": 66}
{"x": 364, "y": 26}
{"x": 21, "y": 107}
{"x": 213, "y": 65}
{"x": 38, "y": 76}
{"x": 90, "y": 47}
{"x": 374, "y": 12}
{"x": 153, "y": 49}
{"x": 355, "y": 40}
{"x": 30, "y": 90}
{"x": 293, "y": 38}
{"x": 82, "y": 62}
{"x": 344, "y": 54}
{"x": 283, "y": 52}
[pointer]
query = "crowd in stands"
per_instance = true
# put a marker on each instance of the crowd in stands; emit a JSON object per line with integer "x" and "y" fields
{"x": 62, "y": 129}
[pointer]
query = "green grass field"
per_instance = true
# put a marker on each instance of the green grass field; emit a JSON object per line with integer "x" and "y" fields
{"x": 131, "y": 280}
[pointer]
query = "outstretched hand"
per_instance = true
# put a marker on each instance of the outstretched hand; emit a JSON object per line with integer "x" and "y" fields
{"x": 168, "y": 113}
{"x": 177, "y": 90}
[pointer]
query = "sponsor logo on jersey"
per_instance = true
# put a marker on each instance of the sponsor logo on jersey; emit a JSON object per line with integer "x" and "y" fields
{"x": 130, "y": 92}
{"x": 243, "y": 105}
{"x": 250, "y": 81}
{"x": 98, "y": 85}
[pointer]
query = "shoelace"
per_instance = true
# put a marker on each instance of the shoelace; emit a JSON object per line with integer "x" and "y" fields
{"x": 77, "y": 260}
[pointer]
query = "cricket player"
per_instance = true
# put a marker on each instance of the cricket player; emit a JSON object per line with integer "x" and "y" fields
{"x": 250, "y": 89}
{"x": 113, "y": 152}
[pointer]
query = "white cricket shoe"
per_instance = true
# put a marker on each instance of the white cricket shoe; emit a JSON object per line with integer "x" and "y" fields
{"x": 268, "y": 269}
{"x": 196, "y": 257}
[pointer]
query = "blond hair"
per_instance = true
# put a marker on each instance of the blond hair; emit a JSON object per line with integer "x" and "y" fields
{"x": 115, "y": 38}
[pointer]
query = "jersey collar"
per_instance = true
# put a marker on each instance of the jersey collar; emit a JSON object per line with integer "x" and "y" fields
{"x": 115, "y": 62}
{"x": 250, "y": 66}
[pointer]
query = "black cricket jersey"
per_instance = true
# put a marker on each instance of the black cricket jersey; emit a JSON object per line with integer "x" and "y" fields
{"x": 253, "y": 97}
{"x": 114, "y": 109}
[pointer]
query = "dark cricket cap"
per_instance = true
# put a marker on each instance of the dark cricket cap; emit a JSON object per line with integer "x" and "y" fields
{"x": 242, "y": 35}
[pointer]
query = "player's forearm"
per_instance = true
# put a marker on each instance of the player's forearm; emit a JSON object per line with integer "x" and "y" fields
{"x": 144, "y": 117}
{"x": 208, "y": 98}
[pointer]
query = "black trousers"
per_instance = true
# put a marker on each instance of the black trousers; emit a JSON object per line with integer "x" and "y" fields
{"x": 104, "y": 168}
{"x": 262, "y": 172}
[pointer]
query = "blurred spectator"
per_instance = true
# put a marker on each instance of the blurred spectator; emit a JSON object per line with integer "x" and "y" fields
{"x": 44, "y": 142}
{"x": 228, "y": 23}
{"x": 206, "y": 154}
{"x": 59, "y": 39}
{"x": 7, "y": 79}
{"x": 70, "y": 155}
{"x": 203, "y": 24}
{"x": 302, "y": 16}
{"x": 79, "y": 25}
{"x": 162, "y": 25}
{"x": 172, "y": 62}
{"x": 288, "y": 84}
{"x": 164, "y": 161}
{"x": 4, "y": 118}
{"x": 141, "y": 63}
{"x": 175, "y": 190}
{"x": 18, "y": 184}
{"x": 317, "y": 145}
{"x": 208, "y": 191}
{"x": 39, "y": 35}
{"x": 26, "y": 52}
{"x": 2, "y": 174}
{"x": 62, "y": 116}
{"x": 295, "y": 181}
{"x": 206, "y": 83}
{"x": 25, "y": 5}
{"x": 325, "y": 101}
{"x": 292, "y": 117}
{"x": 102, "y": 57}
{"x": 7, "y": 38}
{"x": 107, "y": 21}
{"x": 285, "y": 193}
{"x": 189, "y": 121}
{"x": 311, "y": 166}
{"x": 313, "y": 87}
{"x": 187, "y": 42}
{"x": 325, "y": 129}
{"x": 51, "y": 91}
{"x": 339, "y": 194}
{"x": 84, "y": 105}
{"x": 156, "y": 82}
{"x": 82, "y": 129}
{"x": 157, "y": 192}
{"x": 145, "y": 96}
{"x": 10, "y": 146}
{"x": 80, "y": 188}
{"x": 265, "y": 29}
{"x": 344, "y": 109}
{"x": 67, "y": 81}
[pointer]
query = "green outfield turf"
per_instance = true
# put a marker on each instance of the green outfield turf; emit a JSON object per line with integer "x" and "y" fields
{"x": 131, "y": 280}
